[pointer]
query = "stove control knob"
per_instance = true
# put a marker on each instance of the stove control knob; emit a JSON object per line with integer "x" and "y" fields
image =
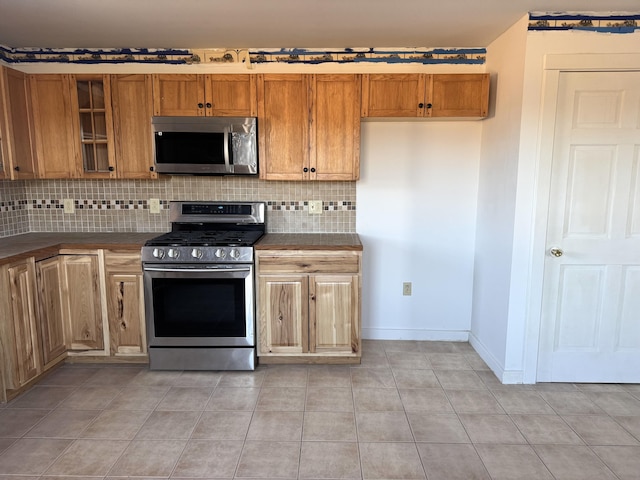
{"x": 196, "y": 253}
{"x": 220, "y": 253}
{"x": 173, "y": 253}
{"x": 234, "y": 253}
{"x": 158, "y": 253}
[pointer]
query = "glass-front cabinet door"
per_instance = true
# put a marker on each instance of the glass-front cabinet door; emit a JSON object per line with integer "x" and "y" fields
{"x": 91, "y": 96}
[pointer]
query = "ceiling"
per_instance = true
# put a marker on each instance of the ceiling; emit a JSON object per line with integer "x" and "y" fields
{"x": 272, "y": 23}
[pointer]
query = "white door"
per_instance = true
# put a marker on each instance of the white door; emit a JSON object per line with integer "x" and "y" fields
{"x": 590, "y": 326}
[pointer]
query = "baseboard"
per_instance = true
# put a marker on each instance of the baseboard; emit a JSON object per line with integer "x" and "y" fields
{"x": 415, "y": 334}
{"x": 507, "y": 377}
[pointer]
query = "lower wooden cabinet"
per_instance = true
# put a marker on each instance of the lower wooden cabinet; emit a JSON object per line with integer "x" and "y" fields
{"x": 125, "y": 303}
{"x": 49, "y": 276}
{"x": 83, "y": 305}
{"x": 87, "y": 305}
{"x": 308, "y": 306}
{"x": 20, "y": 343}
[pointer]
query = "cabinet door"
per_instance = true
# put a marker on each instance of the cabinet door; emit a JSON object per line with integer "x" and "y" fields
{"x": 283, "y": 119}
{"x": 50, "y": 311}
{"x": 57, "y": 155}
{"x": 179, "y": 94}
{"x": 334, "y": 314}
{"x": 22, "y": 290}
{"x": 460, "y": 95}
{"x": 125, "y": 303}
{"x": 231, "y": 95}
{"x": 15, "y": 126}
{"x": 335, "y": 136}
{"x": 283, "y": 314}
{"x": 93, "y": 125}
{"x": 131, "y": 102}
{"x": 83, "y": 306}
{"x": 394, "y": 95}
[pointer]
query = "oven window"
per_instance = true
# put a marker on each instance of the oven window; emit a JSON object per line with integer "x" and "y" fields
{"x": 199, "y": 307}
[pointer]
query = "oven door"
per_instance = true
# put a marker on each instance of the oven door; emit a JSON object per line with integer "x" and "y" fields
{"x": 199, "y": 305}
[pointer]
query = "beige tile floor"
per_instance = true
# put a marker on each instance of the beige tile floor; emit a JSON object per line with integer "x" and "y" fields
{"x": 412, "y": 410}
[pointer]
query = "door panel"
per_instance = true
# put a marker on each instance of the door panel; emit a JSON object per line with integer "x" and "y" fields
{"x": 590, "y": 312}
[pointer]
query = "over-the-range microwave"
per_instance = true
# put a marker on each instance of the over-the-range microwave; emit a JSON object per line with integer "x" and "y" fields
{"x": 205, "y": 145}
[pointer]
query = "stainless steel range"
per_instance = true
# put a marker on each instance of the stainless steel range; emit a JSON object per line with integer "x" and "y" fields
{"x": 199, "y": 287}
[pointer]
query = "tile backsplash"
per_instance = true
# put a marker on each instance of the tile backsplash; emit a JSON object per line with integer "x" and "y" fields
{"x": 123, "y": 205}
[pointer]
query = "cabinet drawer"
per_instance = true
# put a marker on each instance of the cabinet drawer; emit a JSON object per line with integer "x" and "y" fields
{"x": 122, "y": 261}
{"x": 316, "y": 262}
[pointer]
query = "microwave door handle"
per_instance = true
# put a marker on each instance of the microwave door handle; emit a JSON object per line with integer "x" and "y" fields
{"x": 227, "y": 167}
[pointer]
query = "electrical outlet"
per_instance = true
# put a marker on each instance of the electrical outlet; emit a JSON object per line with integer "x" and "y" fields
{"x": 154, "y": 205}
{"x": 315, "y": 207}
{"x": 69, "y": 206}
{"x": 406, "y": 288}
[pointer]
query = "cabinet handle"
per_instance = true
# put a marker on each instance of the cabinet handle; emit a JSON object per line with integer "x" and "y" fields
{"x": 201, "y": 105}
{"x": 208, "y": 105}
{"x": 305, "y": 169}
{"x": 313, "y": 170}
{"x": 421, "y": 105}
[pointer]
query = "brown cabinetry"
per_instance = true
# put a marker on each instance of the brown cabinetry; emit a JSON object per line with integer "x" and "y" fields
{"x": 309, "y": 126}
{"x": 131, "y": 100}
{"x": 83, "y": 312}
{"x": 308, "y": 306}
{"x": 422, "y": 95}
{"x": 20, "y": 346}
{"x": 125, "y": 303}
{"x": 84, "y": 129}
{"x": 16, "y": 145}
{"x": 53, "y": 120}
{"x": 204, "y": 95}
{"x": 50, "y": 307}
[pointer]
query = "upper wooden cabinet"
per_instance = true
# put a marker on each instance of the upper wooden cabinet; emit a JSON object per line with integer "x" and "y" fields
{"x": 204, "y": 95}
{"x": 56, "y": 150}
{"x": 421, "y": 95}
{"x": 16, "y": 145}
{"x": 131, "y": 100}
{"x": 309, "y": 127}
{"x": 93, "y": 125}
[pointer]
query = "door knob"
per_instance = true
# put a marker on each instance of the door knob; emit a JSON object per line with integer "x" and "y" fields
{"x": 556, "y": 252}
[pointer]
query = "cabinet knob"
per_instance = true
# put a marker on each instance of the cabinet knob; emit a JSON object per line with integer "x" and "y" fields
{"x": 313, "y": 170}
{"x": 151, "y": 169}
{"x": 111, "y": 169}
{"x": 305, "y": 169}
{"x": 17, "y": 169}
{"x": 421, "y": 105}
{"x": 429, "y": 105}
{"x": 201, "y": 105}
{"x": 209, "y": 105}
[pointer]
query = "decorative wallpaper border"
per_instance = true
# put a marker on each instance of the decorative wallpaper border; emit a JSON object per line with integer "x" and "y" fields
{"x": 593, "y": 22}
{"x": 229, "y": 56}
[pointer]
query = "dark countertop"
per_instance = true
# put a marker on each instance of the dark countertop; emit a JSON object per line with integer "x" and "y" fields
{"x": 43, "y": 245}
{"x": 310, "y": 241}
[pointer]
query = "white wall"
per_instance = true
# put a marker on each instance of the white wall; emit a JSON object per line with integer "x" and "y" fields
{"x": 416, "y": 208}
{"x": 507, "y": 295}
{"x": 496, "y": 198}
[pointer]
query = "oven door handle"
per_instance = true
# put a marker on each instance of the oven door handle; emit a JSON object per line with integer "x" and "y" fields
{"x": 197, "y": 270}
